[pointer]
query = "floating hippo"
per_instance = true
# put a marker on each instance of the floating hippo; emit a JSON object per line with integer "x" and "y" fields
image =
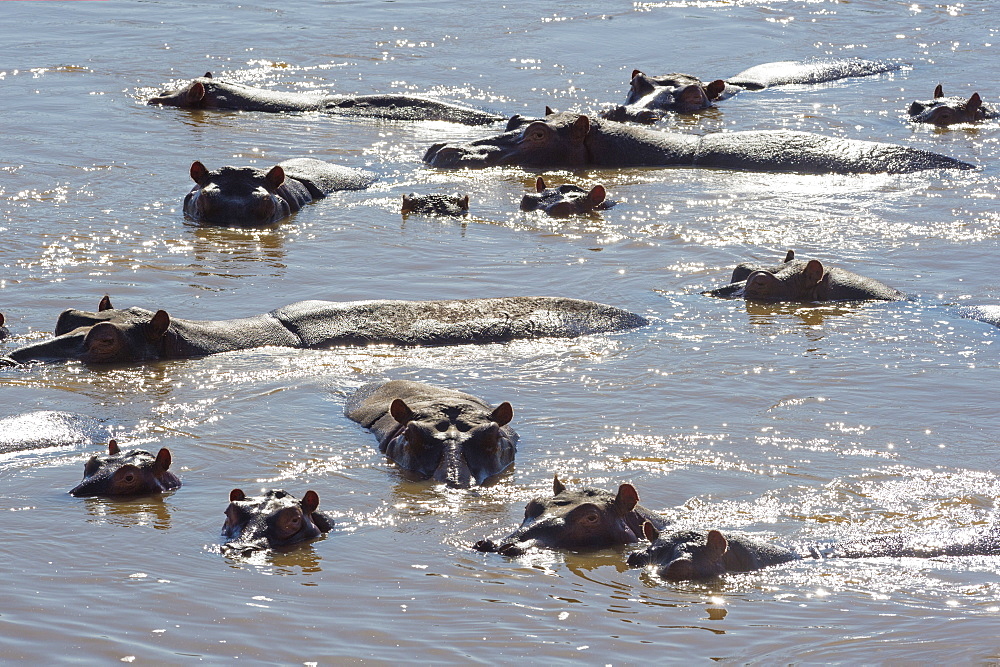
{"x": 566, "y": 199}
{"x": 274, "y": 519}
{"x": 248, "y": 196}
{"x": 696, "y": 554}
{"x": 206, "y": 92}
{"x": 572, "y": 140}
{"x": 455, "y": 204}
{"x": 950, "y": 110}
{"x": 434, "y": 433}
{"x": 988, "y": 314}
{"x": 649, "y": 96}
{"x": 800, "y": 280}
{"x": 47, "y": 428}
{"x": 135, "y": 334}
{"x": 585, "y": 519}
{"x": 132, "y": 473}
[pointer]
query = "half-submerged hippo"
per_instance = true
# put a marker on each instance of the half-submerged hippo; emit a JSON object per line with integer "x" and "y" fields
{"x": 274, "y": 519}
{"x": 587, "y": 518}
{"x": 49, "y": 428}
{"x": 950, "y": 110}
{"x": 132, "y": 473}
{"x": 435, "y": 433}
{"x": 698, "y": 554}
{"x": 649, "y": 96}
{"x": 135, "y": 334}
{"x": 207, "y": 92}
{"x": 247, "y": 196}
{"x": 434, "y": 204}
{"x": 566, "y": 199}
{"x": 800, "y": 280}
{"x": 576, "y": 140}
{"x": 988, "y": 314}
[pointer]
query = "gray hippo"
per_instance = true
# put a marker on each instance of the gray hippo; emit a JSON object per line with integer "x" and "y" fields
{"x": 135, "y": 334}
{"x": 48, "y": 428}
{"x": 235, "y": 196}
{"x": 454, "y": 205}
{"x": 571, "y": 140}
{"x": 566, "y": 199}
{"x": 800, "y": 280}
{"x": 950, "y": 110}
{"x": 697, "y": 554}
{"x": 988, "y": 314}
{"x": 207, "y": 92}
{"x": 132, "y": 473}
{"x": 449, "y": 436}
{"x": 649, "y": 96}
{"x": 273, "y": 519}
{"x": 587, "y": 518}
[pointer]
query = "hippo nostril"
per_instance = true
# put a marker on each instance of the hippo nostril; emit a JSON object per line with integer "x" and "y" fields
{"x": 510, "y": 550}
{"x": 486, "y": 546}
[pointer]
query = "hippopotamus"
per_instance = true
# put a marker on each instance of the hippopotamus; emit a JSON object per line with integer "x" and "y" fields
{"x": 207, "y": 92}
{"x": 48, "y": 428}
{"x": 988, "y": 314}
{"x": 571, "y": 140}
{"x": 800, "y": 280}
{"x": 566, "y": 199}
{"x": 136, "y": 335}
{"x": 455, "y": 204}
{"x": 274, "y": 519}
{"x": 698, "y": 554}
{"x": 248, "y": 196}
{"x": 132, "y": 473}
{"x": 950, "y": 110}
{"x": 649, "y": 96}
{"x": 434, "y": 433}
{"x": 587, "y": 518}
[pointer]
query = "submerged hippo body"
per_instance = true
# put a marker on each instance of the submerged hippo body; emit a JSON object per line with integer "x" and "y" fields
{"x": 48, "y": 428}
{"x": 236, "y": 196}
{"x": 566, "y": 199}
{"x": 207, "y": 92}
{"x": 134, "y": 334}
{"x": 455, "y": 205}
{"x": 697, "y": 554}
{"x": 951, "y": 110}
{"x": 801, "y": 280}
{"x": 434, "y": 433}
{"x": 132, "y": 473}
{"x": 574, "y": 140}
{"x": 587, "y": 518}
{"x": 273, "y": 519}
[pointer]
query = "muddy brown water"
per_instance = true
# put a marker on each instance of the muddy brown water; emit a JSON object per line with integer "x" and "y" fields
{"x": 802, "y": 422}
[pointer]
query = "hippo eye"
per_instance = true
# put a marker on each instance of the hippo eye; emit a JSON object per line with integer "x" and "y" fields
{"x": 591, "y": 518}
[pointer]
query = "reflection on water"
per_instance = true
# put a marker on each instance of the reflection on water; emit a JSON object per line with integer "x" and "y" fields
{"x": 151, "y": 511}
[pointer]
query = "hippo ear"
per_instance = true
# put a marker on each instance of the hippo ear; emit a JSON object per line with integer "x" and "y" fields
{"x": 276, "y": 177}
{"x": 237, "y": 495}
{"x": 539, "y": 184}
{"x": 813, "y": 272}
{"x": 208, "y": 75}
{"x": 717, "y": 546}
{"x": 198, "y": 172}
{"x": 938, "y": 92}
{"x": 310, "y": 502}
{"x": 789, "y": 256}
{"x": 196, "y": 93}
{"x": 105, "y": 304}
{"x": 503, "y": 414}
{"x": 407, "y": 204}
{"x": 580, "y": 129}
{"x": 400, "y": 411}
{"x": 972, "y": 106}
{"x": 548, "y": 110}
{"x": 635, "y": 73}
{"x": 714, "y": 89}
{"x": 626, "y": 500}
{"x": 463, "y": 203}
{"x": 158, "y": 325}
{"x": 1, "y": 319}
{"x": 597, "y": 195}
{"x": 162, "y": 460}
{"x": 649, "y": 531}
{"x": 557, "y": 486}
{"x": 113, "y": 447}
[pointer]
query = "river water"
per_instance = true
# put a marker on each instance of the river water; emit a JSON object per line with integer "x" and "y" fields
{"x": 801, "y": 422}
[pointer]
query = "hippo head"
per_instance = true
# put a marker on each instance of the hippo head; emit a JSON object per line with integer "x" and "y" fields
{"x": 585, "y": 519}
{"x": 684, "y": 555}
{"x": 458, "y": 446}
{"x": 564, "y": 200}
{"x": 672, "y": 92}
{"x": 556, "y": 140}
{"x": 236, "y": 195}
{"x": 192, "y": 95}
{"x": 797, "y": 281}
{"x": 947, "y": 110}
{"x": 455, "y": 204}
{"x": 274, "y": 519}
{"x": 132, "y": 473}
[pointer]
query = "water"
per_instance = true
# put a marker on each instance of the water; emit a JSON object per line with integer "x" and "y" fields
{"x": 801, "y": 422}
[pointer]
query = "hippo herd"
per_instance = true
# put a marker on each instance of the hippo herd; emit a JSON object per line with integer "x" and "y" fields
{"x": 450, "y": 437}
